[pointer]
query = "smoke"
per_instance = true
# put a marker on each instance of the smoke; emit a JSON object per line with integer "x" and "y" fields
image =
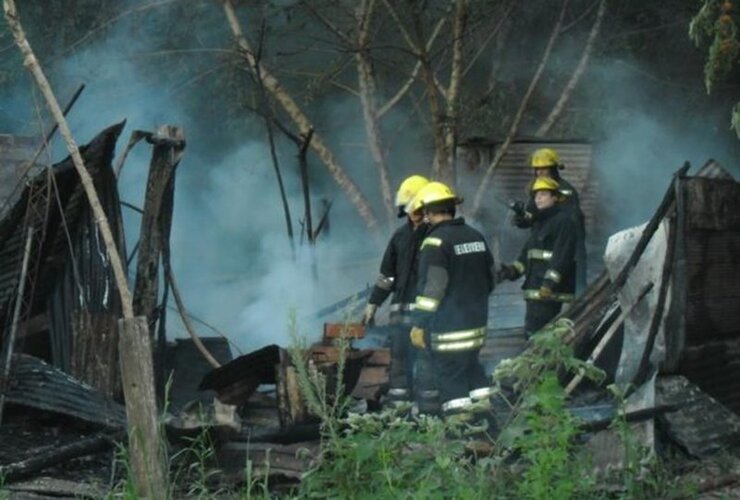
{"x": 230, "y": 250}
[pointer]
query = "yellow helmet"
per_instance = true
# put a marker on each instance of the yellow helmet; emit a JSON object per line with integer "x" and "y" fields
{"x": 544, "y": 158}
{"x": 434, "y": 192}
{"x": 408, "y": 189}
{"x": 545, "y": 184}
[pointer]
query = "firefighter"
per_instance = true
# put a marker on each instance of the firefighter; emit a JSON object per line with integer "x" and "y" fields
{"x": 548, "y": 258}
{"x": 546, "y": 164}
{"x": 398, "y": 276}
{"x": 451, "y": 308}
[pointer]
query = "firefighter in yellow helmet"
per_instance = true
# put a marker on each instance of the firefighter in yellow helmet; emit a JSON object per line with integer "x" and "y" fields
{"x": 451, "y": 309}
{"x": 548, "y": 259}
{"x": 546, "y": 163}
{"x": 398, "y": 277}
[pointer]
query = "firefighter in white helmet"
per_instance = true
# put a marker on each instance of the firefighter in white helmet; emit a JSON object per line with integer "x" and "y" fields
{"x": 398, "y": 276}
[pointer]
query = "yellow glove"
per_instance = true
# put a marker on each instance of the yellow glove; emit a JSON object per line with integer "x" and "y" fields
{"x": 417, "y": 338}
{"x": 545, "y": 292}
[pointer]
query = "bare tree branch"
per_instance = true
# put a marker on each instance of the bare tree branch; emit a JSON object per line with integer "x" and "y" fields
{"x": 557, "y": 110}
{"x": 301, "y": 121}
{"x": 514, "y": 128}
{"x": 445, "y": 171}
{"x": 414, "y": 74}
{"x": 368, "y": 95}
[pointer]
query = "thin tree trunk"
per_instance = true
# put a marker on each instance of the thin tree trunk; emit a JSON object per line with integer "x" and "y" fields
{"x": 32, "y": 64}
{"x": 514, "y": 128}
{"x": 414, "y": 74}
{"x": 301, "y": 121}
{"x": 447, "y": 171}
{"x": 268, "y": 114}
{"x": 557, "y": 110}
{"x": 419, "y": 48}
{"x": 368, "y": 94}
{"x": 147, "y": 455}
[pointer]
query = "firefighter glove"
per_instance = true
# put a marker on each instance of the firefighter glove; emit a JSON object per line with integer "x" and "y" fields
{"x": 368, "y": 317}
{"x": 507, "y": 272}
{"x": 517, "y": 207}
{"x": 545, "y": 292}
{"x": 417, "y": 337}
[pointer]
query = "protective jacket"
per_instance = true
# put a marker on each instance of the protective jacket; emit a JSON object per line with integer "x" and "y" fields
{"x": 399, "y": 268}
{"x": 455, "y": 279}
{"x": 571, "y": 203}
{"x": 549, "y": 256}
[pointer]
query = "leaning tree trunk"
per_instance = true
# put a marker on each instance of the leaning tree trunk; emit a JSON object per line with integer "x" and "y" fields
{"x": 148, "y": 456}
{"x": 301, "y": 121}
{"x": 368, "y": 93}
{"x": 557, "y": 110}
{"x": 447, "y": 170}
{"x": 514, "y": 128}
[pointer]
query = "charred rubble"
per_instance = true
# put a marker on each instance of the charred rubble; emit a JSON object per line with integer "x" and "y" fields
{"x": 661, "y": 317}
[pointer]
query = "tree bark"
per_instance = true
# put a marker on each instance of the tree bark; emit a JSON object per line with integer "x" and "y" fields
{"x": 168, "y": 146}
{"x": 146, "y": 444}
{"x": 514, "y": 128}
{"x": 403, "y": 90}
{"x": 368, "y": 98}
{"x": 419, "y": 48}
{"x": 152, "y": 480}
{"x": 275, "y": 88}
{"x": 562, "y": 101}
{"x": 447, "y": 171}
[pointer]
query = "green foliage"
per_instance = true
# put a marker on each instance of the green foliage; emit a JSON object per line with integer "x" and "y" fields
{"x": 200, "y": 471}
{"x": 540, "y": 428}
{"x": 716, "y": 26}
{"x": 642, "y": 475}
{"x": 4, "y": 495}
{"x": 391, "y": 456}
{"x": 547, "y": 447}
{"x": 123, "y": 489}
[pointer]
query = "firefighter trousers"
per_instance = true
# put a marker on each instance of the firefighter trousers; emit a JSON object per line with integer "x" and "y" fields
{"x": 539, "y": 313}
{"x": 458, "y": 373}
{"x": 401, "y": 368}
{"x": 426, "y": 394}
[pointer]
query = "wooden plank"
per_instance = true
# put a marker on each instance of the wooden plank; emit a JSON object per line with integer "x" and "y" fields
{"x": 344, "y": 330}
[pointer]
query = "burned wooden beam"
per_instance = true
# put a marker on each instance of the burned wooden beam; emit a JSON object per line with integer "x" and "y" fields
{"x": 45, "y": 458}
{"x": 169, "y": 144}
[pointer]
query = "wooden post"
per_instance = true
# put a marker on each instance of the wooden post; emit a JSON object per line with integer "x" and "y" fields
{"x": 146, "y": 446}
{"x": 168, "y": 146}
{"x": 135, "y": 351}
{"x": 156, "y": 222}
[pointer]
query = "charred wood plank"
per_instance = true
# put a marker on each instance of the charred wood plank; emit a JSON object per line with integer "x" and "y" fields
{"x": 44, "y": 459}
{"x": 169, "y": 144}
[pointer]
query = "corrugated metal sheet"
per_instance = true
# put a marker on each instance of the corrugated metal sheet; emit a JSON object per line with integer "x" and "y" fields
{"x": 714, "y": 170}
{"x": 36, "y": 384}
{"x": 69, "y": 279}
{"x": 15, "y": 151}
{"x": 711, "y": 304}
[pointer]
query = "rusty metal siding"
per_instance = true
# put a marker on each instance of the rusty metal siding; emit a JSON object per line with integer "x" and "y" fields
{"x": 70, "y": 278}
{"x": 711, "y": 233}
{"x": 15, "y": 152}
